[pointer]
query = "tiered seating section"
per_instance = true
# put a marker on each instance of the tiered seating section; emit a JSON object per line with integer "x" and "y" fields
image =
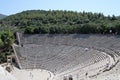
{"x": 57, "y": 58}
{"x": 58, "y": 52}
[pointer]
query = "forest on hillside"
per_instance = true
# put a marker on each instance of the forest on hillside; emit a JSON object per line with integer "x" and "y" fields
{"x": 61, "y": 22}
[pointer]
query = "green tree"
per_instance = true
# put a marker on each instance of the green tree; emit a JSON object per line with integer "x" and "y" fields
{"x": 1, "y": 44}
{"x": 7, "y": 38}
{"x": 29, "y": 30}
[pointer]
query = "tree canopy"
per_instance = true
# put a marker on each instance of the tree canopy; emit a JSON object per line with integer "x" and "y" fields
{"x": 7, "y": 38}
{"x": 6, "y": 41}
{"x": 58, "y": 21}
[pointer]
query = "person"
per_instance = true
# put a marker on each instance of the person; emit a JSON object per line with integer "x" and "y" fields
{"x": 110, "y": 31}
{"x": 86, "y": 74}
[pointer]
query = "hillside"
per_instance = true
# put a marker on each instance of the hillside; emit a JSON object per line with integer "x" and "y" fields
{"x": 41, "y": 21}
{"x": 2, "y": 16}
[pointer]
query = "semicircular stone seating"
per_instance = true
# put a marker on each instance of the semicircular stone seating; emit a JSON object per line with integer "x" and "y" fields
{"x": 58, "y": 53}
